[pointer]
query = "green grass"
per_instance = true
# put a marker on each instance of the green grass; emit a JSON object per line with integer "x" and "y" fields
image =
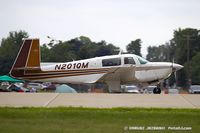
{"x": 92, "y": 120}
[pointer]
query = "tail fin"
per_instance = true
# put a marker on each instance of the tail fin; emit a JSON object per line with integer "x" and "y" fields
{"x": 28, "y": 59}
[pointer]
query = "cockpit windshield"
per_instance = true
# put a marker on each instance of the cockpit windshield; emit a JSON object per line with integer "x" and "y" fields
{"x": 142, "y": 60}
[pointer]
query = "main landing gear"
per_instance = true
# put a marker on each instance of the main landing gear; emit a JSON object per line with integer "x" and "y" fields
{"x": 156, "y": 90}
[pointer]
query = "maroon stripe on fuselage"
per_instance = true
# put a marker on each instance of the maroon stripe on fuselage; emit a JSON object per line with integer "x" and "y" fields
{"x": 61, "y": 75}
{"x": 41, "y": 73}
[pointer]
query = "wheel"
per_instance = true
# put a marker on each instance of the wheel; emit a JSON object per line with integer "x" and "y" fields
{"x": 157, "y": 90}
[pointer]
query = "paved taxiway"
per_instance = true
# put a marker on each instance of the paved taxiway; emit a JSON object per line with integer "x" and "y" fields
{"x": 99, "y": 100}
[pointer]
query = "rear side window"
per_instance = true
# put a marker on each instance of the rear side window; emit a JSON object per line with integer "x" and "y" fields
{"x": 129, "y": 60}
{"x": 111, "y": 62}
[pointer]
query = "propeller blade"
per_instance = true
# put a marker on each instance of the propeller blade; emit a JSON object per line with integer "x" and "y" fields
{"x": 173, "y": 69}
{"x": 175, "y": 76}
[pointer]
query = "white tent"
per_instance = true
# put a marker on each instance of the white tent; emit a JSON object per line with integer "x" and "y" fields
{"x": 65, "y": 89}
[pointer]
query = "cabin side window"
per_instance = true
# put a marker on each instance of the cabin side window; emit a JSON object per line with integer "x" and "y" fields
{"x": 111, "y": 62}
{"x": 129, "y": 60}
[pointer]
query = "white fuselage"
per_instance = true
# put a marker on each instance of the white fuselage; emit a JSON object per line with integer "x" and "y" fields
{"x": 125, "y": 68}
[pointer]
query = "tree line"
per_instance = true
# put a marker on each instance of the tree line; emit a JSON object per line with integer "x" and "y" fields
{"x": 83, "y": 47}
{"x": 55, "y": 51}
{"x": 184, "y": 49}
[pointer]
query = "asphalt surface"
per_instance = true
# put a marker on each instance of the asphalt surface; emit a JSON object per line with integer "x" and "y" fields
{"x": 99, "y": 100}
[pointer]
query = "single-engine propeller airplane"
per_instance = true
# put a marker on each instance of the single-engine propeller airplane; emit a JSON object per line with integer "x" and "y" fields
{"x": 113, "y": 70}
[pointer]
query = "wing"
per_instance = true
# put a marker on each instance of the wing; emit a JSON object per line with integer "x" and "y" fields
{"x": 122, "y": 74}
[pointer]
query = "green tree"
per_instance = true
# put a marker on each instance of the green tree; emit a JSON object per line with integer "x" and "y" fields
{"x": 177, "y": 50}
{"x": 195, "y": 68}
{"x": 105, "y": 49}
{"x": 165, "y": 52}
{"x": 45, "y": 53}
{"x": 9, "y": 49}
{"x": 134, "y": 47}
{"x": 75, "y": 49}
{"x": 88, "y": 49}
{"x": 183, "y": 38}
{"x": 153, "y": 53}
{"x": 63, "y": 52}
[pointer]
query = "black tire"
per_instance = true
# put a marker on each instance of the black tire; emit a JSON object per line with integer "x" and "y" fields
{"x": 156, "y": 90}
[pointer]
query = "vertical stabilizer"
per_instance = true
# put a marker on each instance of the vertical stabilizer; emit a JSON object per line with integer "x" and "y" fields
{"x": 28, "y": 59}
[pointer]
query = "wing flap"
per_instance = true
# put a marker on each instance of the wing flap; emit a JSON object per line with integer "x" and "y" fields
{"x": 119, "y": 73}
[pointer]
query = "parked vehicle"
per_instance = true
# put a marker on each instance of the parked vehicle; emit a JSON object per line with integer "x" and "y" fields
{"x": 4, "y": 90}
{"x": 130, "y": 89}
{"x": 51, "y": 87}
{"x": 13, "y": 87}
{"x": 149, "y": 89}
{"x": 17, "y": 88}
{"x": 5, "y": 84}
{"x": 36, "y": 86}
{"x": 173, "y": 91}
{"x": 194, "y": 89}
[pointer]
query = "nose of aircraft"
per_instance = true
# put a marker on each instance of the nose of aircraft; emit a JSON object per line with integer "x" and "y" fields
{"x": 177, "y": 67}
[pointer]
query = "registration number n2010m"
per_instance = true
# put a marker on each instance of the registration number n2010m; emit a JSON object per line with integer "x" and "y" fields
{"x": 72, "y": 66}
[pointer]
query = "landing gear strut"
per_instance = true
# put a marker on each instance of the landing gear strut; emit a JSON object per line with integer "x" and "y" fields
{"x": 114, "y": 86}
{"x": 156, "y": 90}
